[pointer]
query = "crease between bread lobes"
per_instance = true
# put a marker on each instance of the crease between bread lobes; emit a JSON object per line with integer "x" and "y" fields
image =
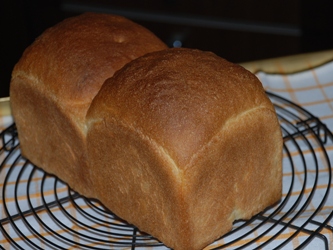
{"x": 171, "y": 140}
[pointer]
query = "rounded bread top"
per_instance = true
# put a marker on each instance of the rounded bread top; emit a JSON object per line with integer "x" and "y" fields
{"x": 179, "y": 98}
{"x": 71, "y": 60}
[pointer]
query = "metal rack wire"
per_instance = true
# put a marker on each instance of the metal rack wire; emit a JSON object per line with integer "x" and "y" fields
{"x": 38, "y": 211}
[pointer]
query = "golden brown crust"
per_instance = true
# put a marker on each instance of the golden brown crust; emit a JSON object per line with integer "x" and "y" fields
{"x": 194, "y": 134}
{"x": 56, "y": 79}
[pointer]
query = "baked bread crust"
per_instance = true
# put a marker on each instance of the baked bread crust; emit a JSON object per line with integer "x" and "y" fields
{"x": 56, "y": 79}
{"x": 184, "y": 143}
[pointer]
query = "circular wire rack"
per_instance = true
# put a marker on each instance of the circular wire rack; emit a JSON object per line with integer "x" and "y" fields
{"x": 39, "y": 211}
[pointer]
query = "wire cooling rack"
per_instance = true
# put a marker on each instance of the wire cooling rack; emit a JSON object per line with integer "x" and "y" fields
{"x": 38, "y": 211}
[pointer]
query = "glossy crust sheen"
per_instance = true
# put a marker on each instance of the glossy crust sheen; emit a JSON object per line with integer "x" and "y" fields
{"x": 56, "y": 79}
{"x": 183, "y": 143}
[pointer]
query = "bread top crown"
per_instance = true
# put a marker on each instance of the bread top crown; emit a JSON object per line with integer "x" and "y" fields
{"x": 179, "y": 98}
{"x": 70, "y": 61}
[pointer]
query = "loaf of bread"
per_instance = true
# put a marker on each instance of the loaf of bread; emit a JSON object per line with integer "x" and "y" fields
{"x": 179, "y": 142}
{"x": 55, "y": 81}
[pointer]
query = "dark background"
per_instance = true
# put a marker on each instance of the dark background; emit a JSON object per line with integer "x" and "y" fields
{"x": 238, "y": 30}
